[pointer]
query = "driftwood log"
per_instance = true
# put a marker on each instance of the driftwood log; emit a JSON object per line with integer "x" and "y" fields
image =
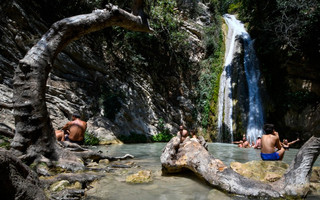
{"x": 34, "y": 135}
{"x": 191, "y": 155}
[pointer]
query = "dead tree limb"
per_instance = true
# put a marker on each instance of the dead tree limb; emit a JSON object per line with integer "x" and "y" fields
{"x": 34, "y": 132}
{"x": 193, "y": 156}
{"x": 295, "y": 180}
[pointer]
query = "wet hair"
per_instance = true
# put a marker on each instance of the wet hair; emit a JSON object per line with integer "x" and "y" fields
{"x": 268, "y": 128}
{"x": 194, "y": 131}
{"x": 76, "y": 115}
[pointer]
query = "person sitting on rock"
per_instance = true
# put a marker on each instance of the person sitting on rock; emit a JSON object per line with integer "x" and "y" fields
{"x": 200, "y": 139}
{"x": 73, "y": 131}
{"x": 269, "y": 142}
{"x": 182, "y": 133}
{"x": 193, "y": 134}
{"x": 287, "y": 144}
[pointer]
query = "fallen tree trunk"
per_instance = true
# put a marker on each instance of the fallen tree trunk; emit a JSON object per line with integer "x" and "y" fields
{"x": 192, "y": 155}
{"x": 34, "y": 135}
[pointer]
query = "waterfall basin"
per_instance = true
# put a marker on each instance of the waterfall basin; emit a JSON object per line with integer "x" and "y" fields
{"x": 184, "y": 185}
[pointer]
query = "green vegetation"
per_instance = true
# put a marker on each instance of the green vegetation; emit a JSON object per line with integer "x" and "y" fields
{"x": 211, "y": 69}
{"x": 4, "y": 142}
{"x": 163, "y": 135}
{"x": 90, "y": 139}
{"x": 167, "y": 23}
{"x": 110, "y": 101}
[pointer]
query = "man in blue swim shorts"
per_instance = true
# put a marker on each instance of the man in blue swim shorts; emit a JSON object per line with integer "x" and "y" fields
{"x": 269, "y": 142}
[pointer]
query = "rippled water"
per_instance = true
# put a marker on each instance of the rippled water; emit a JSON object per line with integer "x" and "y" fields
{"x": 181, "y": 186}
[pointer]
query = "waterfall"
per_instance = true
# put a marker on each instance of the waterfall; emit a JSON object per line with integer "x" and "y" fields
{"x": 225, "y": 122}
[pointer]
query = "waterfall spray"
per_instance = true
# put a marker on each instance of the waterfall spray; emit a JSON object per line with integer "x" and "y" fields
{"x": 225, "y": 100}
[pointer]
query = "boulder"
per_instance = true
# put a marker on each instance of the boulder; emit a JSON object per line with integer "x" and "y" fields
{"x": 265, "y": 171}
{"x": 60, "y": 185}
{"x": 143, "y": 176}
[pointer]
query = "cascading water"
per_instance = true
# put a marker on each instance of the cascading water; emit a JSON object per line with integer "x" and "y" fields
{"x": 225, "y": 101}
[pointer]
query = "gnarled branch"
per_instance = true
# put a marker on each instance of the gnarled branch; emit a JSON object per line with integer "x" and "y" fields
{"x": 34, "y": 132}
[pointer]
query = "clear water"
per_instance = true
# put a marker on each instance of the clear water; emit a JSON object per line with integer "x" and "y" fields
{"x": 180, "y": 186}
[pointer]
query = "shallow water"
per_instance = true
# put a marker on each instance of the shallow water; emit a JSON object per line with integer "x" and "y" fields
{"x": 181, "y": 186}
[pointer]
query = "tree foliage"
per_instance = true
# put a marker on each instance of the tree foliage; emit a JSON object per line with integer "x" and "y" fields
{"x": 292, "y": 26}
{"x": 163, "y": 135}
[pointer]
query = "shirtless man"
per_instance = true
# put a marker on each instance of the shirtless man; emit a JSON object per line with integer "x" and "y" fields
{"x": 287, "y": 144}
{"x": 243, "y": 143}
{"x": 182, "y": 133}
{"x": 268, "y": 143}
{"x": 73, "y": 131}
{"x": 258, "y": 143}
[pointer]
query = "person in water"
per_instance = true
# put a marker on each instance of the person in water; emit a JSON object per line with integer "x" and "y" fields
{"x": 73, "y": 131}
{"x": 182, "y": 133}
{"x": 258, "y": 143}
{"x": 269, "y": 142}
{"x": 287, "y": 144}
{"x": 243, "y": 143}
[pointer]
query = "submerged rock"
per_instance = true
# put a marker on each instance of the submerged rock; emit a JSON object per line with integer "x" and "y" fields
{"x": 143, "y": 176}
{"x": 265, "y": 171}
{"x": 58, "y": 186}
{"x": 271, "y": 171}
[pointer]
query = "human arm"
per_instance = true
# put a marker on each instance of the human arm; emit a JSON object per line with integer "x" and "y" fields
{"x": 66, "y": 126}
{"x": 278, "y": 143}
{"x": 294, "y": 141}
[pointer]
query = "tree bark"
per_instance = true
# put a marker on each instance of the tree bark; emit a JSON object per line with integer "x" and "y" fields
{"x": 297, "y": 177}
{"x": 193, "y": 156}
{"x": 34, "y": 135}
{"x": 18, "y": 181}
{"x": 6, "y": 133}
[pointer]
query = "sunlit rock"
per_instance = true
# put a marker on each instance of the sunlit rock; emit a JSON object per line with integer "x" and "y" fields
{"x": 58, "y": 186}
{"x": 143, "y": 176}
{"x": 265, "y": 171}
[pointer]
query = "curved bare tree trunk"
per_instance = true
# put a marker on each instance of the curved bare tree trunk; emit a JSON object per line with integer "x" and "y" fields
{"x": 295, "y": 180}
{"x": 34, "y": 134}
{"x": 193, "y": 156}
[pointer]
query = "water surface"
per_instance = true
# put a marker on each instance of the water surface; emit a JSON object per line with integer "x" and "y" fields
{"x": 180, "y": 186}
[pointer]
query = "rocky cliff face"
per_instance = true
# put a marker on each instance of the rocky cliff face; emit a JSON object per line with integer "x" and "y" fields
{"x": 302, "y": 118}
{"x": 115, "y": 94}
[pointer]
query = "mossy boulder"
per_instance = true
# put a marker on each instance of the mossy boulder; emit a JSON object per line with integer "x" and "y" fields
{"x": 143, "y": 176}
{"x": 271, "y": 171}
{"x": 265, "y": 171}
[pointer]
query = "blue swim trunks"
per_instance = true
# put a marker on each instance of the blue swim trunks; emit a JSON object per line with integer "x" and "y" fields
{"x": 270, "y": 156}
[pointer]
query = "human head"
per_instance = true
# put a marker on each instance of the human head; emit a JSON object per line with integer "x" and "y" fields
{"x": 268, "y": 128}
{"x": 181, "y": 128}
{"x": 259, "y": 137}
{"x": 75, "y": 115}
{"x": 193, "y": 132}
{"x": 244, "y": 137}
{"x": 285, "y": 141}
